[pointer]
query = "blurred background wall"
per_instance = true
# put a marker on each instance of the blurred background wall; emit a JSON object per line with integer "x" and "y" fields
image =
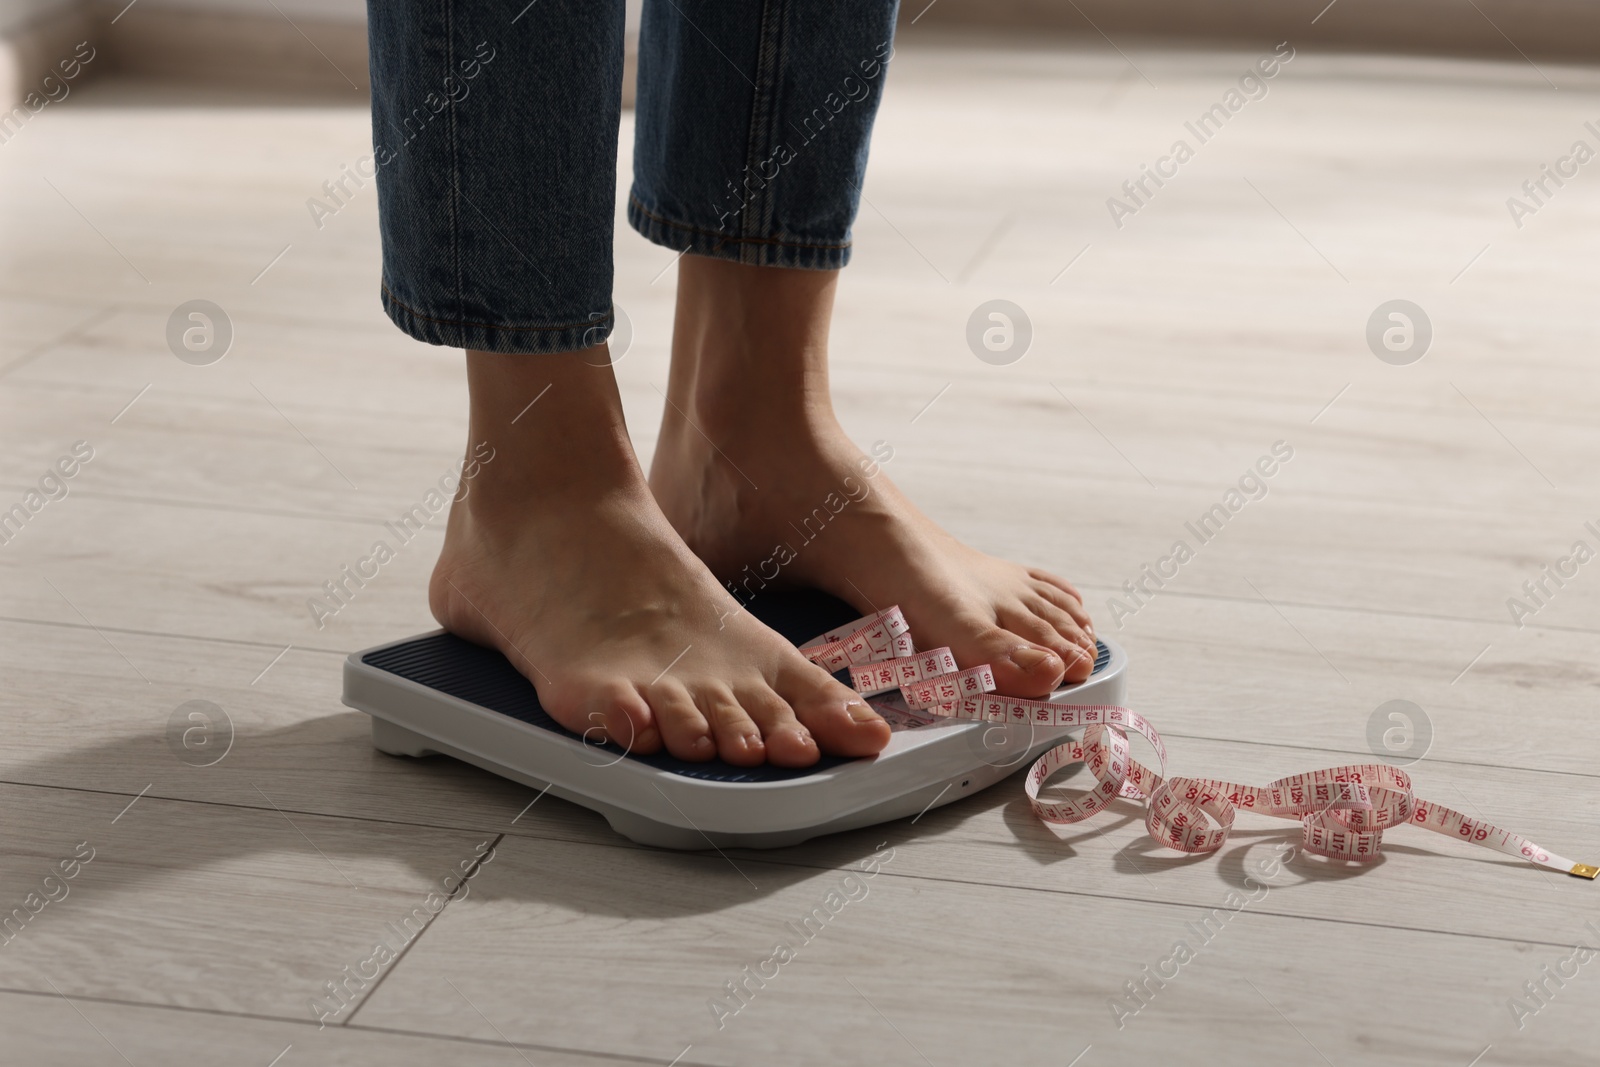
{"x": 320, "y": 45}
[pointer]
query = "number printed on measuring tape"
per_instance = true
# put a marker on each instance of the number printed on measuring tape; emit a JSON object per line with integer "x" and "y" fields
{"x": 880, "y": 636}
{"x": 873, "y": 678}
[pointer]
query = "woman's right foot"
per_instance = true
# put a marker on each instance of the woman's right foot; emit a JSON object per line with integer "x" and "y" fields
{"x": 556, "y": 554}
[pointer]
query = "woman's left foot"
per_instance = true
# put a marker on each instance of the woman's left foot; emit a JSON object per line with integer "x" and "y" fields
{"x": 790, "y": 501}
{"x": 756, "y": 475}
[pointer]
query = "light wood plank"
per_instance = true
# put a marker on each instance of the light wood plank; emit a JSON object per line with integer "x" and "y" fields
{"x": 208, "y": 906}
{"x": 290, "y": 736}
{"x": 962, "y": 973}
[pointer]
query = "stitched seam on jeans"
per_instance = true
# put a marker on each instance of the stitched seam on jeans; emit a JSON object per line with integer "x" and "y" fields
{"x": 455, "y": 160}
{"x": 756, "y": 217}
{"x": 780, "y": 63}
{"x": 723, "y": 237}
{"x": 409, "y": 310}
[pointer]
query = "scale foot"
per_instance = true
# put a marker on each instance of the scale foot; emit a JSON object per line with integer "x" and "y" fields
{"x": 398, "y": 741}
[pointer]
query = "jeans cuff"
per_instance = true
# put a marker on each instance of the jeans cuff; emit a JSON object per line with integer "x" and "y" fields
{"x": 769, "y": 250}
{"x": 488, "y": 337}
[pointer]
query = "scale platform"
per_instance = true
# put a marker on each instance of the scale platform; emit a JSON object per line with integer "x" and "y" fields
{"x": 436, "y": 694}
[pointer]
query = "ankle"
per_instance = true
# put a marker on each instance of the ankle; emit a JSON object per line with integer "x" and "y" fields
{"x": 750, "y": 351}
{"x": 553, "y": 428}
{"x": 740, "y": 423}
{"x": 739, "y": 387}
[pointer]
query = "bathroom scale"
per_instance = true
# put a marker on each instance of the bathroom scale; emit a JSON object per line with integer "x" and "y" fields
{"x": 436, "y": 694}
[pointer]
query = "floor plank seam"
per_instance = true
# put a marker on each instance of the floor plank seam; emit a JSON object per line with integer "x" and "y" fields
{"x": 377, "y": 325}
{"x": 71, "y": 334}
{"x": 294, "y": 1020}
{"x": 466, "y": 876}
{"x": 1367, "y": 756}
{"x": 1093, "y": 587}
{"x": 168, "y": 635}
{"x": 156, "y": 1005}
{"x": 1358, "y": 609}
{"x": 800, "y": 865}
{"x": 407, "y": 824}
{"x": 1289, "y": 916}
{"x": 206, "y": 505}
{"x": 568, "y": 1049}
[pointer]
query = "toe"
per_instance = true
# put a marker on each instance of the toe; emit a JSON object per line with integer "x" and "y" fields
{"x": 1061, "y": 621}
{"x": 684, "y": 730}
{"x": 1066, "y": 601}
{"x": 1056, "y": 582}
{"x": 1079, "y": 661}
{"x": 1072, "y": 648}
{"x": 1022, "y": 667}
{"x": 842, "y": 722}
{"x": 738, "y": 739}
{"x": 605, "y": 710}
{"x": 788, "y": 743}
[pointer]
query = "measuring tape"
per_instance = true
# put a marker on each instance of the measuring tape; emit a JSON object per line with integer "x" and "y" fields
{"x": 1342, "y": 810}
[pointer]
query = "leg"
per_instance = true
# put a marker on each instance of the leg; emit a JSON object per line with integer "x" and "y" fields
{"x": 750, "y": 372}
{"x": 768, "y": 173}
{"x": 496, "y": 146}
{"x": 764, "y": 196}
{"x": 496, "y": 138}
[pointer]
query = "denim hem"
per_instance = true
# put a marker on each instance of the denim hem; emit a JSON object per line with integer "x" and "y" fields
{"x": 756, "y": 251}
{"x": 487, "y": 337}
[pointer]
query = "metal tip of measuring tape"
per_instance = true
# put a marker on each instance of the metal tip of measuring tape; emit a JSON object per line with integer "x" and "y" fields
{"x": 1583, "y": 870}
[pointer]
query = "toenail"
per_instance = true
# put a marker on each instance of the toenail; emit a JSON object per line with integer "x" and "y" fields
{"x": 860, "y": 712}
{"x": 1029, "y": 658}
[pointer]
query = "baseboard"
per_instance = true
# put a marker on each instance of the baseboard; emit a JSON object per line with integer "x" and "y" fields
{"x": 239, "y": 50}
{"x": 257, "y": 51}
{"x": 1561, "y": 30}
{"x": 329, "y": 57}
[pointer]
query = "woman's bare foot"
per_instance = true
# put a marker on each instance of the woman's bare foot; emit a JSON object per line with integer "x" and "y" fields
{"x": 755, "y": 473}
{"x": 557, "y": 555}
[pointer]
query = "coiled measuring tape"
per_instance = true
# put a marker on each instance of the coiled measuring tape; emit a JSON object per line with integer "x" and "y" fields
{"x": 1343, "y": 811}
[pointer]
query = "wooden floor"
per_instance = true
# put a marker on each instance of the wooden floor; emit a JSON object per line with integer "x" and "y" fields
{"x": 1227, "y": 314}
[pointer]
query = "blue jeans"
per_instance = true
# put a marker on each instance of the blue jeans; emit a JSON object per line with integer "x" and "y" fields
{"x": 495, "y": 133}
